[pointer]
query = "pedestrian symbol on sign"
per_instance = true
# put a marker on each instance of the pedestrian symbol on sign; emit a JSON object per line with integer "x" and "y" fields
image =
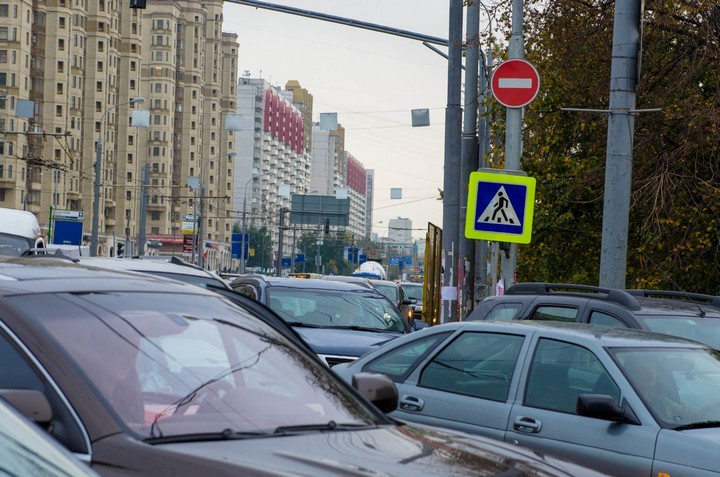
{"x": 500, "y": 210}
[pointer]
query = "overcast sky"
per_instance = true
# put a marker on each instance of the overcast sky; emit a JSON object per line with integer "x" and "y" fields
{"x": 372, "y": 80}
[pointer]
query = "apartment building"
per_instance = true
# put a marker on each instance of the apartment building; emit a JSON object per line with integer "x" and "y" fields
{"x": 273, "y": 154}
{"x": 369, "y": 202}
{"x": 86, "y": 66}
{"x": 328, "y": 160}
{"x": 356, "y": 181}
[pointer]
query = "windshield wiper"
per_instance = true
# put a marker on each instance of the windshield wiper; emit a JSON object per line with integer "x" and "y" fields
{"x": 226, "y": 434}
{"x": 328, "y": 426}
{"x": 697, "y": 425}
{"x": 358, "y": 328}
{"x": 302, "y": 324}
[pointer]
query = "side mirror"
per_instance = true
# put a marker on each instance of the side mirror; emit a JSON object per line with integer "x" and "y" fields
{"x": 30, "y": 403}
{"x": 419, "y": 325}
{"x": 408, "y": 301}
{"x": 378, "y": 389}
{"x": 601, "y": 406}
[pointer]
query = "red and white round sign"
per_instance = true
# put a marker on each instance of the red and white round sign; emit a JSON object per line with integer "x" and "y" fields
{"x": 515, "y": 83}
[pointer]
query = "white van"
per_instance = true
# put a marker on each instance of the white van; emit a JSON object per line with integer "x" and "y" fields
{"x": 19, "y": 232}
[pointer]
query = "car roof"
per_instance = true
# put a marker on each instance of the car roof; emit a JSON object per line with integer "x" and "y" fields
{"x": 579, "y": 332}
{"x": 160, "y": 266}
{"x": 309, "y": 283}
{"x": 38, "y": 274}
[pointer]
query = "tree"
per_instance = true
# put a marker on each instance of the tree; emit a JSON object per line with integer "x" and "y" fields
{"x": 259, "y": 240}
{"x": 674, "y": 230}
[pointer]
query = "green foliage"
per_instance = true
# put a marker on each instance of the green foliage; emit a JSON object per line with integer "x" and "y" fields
{"x": 259, "y": 240}
{"x": 674, "y": 230}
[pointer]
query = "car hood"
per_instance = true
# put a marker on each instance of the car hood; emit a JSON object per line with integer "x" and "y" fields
{"x": 344, "y": 342}
{"x": 697, "y": 448}
{"x": 386, "y": 451}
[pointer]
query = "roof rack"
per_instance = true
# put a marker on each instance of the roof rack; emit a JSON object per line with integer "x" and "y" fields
{"x": 710, "y": 300}
{"x": 621, "y": 297}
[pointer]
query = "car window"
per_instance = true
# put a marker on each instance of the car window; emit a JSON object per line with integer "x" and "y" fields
{"x": 600, "y": 318}
{"x": 679, "y": 386}
{"x": 397, "y": 363}
{"x": 560, "y": 372}
{"x": 703, "y": 329}
{"x": 413, "y": 291}
{"x": 475, "y": 364}
{"x": 336, "y": 309}
{"x": 16, "y": 372}
{"x": 504, "y": 311}
{"x": 187, "y": 364}
{"x": 554, "y": 313}
{"x": 390, "y": 291}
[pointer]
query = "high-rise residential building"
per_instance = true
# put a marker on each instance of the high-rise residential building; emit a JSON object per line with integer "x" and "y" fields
{"x": 356, "y": 181}
{"x": 369, "y": 202}
{"x": 328, "y": 160}
{"x": 273, "y": 154}
{"x": 400, "y": 235}
{"x": 85, "y": 66}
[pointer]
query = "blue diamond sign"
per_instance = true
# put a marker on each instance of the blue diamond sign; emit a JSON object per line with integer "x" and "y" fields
{"x": 500, "y": 207}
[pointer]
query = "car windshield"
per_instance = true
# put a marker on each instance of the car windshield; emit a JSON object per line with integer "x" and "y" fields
{"x": 324, "y": 308}
{"x": 390, "y": 291}
{"x": 414, "y": 291}
{"x": 680, "y": 387}
{"x": 14, "y": 245}
{"x": 174, "y": 365}
{"x": 703, "y": 329}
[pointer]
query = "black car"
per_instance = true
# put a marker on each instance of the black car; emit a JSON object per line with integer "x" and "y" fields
{"x": 138, "y": 375}
{"x": 687, "y": 315}
{"x": 341, "y": 321}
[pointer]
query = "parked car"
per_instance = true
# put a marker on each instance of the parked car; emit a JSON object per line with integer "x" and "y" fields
{"x": 574, "y": 390}
{"x": 146, "y": 376}
{"x": 168, "y": 267}
{"x": 340, "y": 321}
{"x": 26, "y": 450}
{"x": 687, "y": 315}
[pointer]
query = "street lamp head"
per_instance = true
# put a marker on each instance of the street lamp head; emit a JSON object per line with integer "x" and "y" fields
{"x": 139, "y": 99}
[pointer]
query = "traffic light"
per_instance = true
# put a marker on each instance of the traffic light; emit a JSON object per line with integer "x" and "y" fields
{"x": 327, "y": 226}
{"x": 120, "y": 249}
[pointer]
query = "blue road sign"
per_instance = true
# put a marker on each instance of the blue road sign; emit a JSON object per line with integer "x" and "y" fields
{"x": 299, "y": 258}
{"x": 67, "y": 232}
{"x": 500, "y": 207}
{"x": 286, "y": 262}
{"x": 237, "y": 243}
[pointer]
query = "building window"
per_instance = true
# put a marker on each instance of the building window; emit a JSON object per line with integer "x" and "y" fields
{"x": 132, "y": 84}
{"x": 101, "y": 45}
{"x": 132, "y": 66}
{"x": 61, "y": 44}
{"x": 59, "y": 88}
{"x": 58, "y": 110}
{"x": 100, "y": 66}
{"x": 3, "y": 56}
{"x": 4, "y": 10}
{"x": 60, "y": 65}
{"x": 98, "y": 86}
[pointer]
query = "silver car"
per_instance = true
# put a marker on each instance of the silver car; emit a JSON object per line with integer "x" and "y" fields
{"x": 626, "y": 402}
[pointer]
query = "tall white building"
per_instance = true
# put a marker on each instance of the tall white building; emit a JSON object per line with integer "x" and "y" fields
{"x": 273, "y": 157}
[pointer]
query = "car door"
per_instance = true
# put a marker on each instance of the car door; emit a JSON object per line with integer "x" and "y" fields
{"x": 544, "y": 416}
{"x": 465, "y": 384}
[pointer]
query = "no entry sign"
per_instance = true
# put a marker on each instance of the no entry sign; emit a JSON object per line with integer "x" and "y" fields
{"x": 515, "y": 83}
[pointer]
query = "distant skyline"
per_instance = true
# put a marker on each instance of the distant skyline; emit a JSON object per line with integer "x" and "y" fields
{"x": 372, "y": 80}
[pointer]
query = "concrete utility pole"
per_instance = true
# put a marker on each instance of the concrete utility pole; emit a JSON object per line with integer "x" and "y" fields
{"x": 98, "y": 173}
{"x": 451, "y": 193}
{"x": 618, "y": 162}
{"x": 143, "y": 209}
{"x": 469, "y": 158}
{"x": 513, "y": 132}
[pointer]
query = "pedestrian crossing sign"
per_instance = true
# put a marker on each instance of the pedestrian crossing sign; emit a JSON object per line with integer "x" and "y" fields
{"x": 500, "y": 207}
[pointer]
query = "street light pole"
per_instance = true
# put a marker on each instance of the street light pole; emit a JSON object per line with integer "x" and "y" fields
{"x": 200, "y": 226}
{"x": 98, "y": 172}
{"x": 244, "y": 229}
